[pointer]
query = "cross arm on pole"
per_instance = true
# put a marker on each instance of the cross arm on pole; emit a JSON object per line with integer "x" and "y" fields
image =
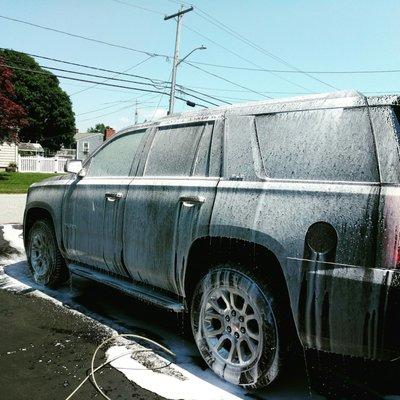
{"x": 179, "y": 13}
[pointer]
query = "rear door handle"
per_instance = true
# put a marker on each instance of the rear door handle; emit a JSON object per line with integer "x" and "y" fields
{"x": 190, "y": 201}
{"x": 113, "y": 196}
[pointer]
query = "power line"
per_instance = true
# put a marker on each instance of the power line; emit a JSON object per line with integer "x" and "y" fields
{"x": 199, "y": 98}
{"x": 113, "y": 77}
{"x": 132, "y": 99}
{"x": 113, "y": 105}
{"x": 237, "y": 98}
{"x": 117, "y": 45}
{"x": 101, "y": 76}
{"x": 95, "y": 88}
{"x": 201, "y": 93}
{"x": 113, "y": 44}
{"x": 157, "y": 83}
{"x": 139, "y": 7}
{"x": 246, "y": 91}
{"x": 360, "y": 71}
{"x": 89, "y": 81}
{"x": 104, "y": 115}
{"x": 85, "y": 37}
{"x": 226, "y": 80}
{"x": 91, "y": 67}
{"x": 97, "y": 109}
{"x": 285, "y": 71}
{"x": 260, "y": 69}
{"x": 244, "y": 58}
{"x": 255, "y": 46}
{"x": 159, "y": 101}
{"x": 190, "y": 88}
{"x": 112, "y": 112}
{"x": 242, "y": 38}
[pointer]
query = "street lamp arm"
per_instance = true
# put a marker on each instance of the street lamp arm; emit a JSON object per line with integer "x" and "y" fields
{"x": 184, "y": 58}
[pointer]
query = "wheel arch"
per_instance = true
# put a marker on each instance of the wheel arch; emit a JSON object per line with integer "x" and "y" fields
{"x": 34, "y": 213}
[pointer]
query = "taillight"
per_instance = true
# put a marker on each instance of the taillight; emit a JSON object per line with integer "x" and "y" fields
{"x": 396, "y": 258}
{"x": 389, "y": 237}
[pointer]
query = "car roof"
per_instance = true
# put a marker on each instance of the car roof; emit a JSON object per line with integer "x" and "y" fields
{"x": 337, "y": 99}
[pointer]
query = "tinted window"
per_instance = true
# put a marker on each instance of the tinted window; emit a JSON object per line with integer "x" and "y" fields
{"x": 396, "y": 113}
{"x": 334, "y": 144}
{"x": 385, "y": 122}
{"x": 179, "y": 150}
{"x": 115, "y": 159}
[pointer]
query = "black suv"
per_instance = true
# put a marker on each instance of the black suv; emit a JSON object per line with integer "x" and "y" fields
{"x": 270, "y": 223}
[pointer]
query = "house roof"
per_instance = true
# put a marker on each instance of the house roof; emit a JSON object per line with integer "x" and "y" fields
{"x": 86, "y": 135}
{"x": 30, "y": 147}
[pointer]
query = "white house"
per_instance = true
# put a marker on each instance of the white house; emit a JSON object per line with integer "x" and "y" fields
{"x": 8, "y": 154}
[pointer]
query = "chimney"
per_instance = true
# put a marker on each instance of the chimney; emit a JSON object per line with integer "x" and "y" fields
{"x": 109, "y": 132}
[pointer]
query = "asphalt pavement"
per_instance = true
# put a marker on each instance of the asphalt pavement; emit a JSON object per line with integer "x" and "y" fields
{"x": 45, "y": 352}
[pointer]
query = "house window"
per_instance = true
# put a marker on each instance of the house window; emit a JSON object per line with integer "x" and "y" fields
{"x": 85, "y": 148}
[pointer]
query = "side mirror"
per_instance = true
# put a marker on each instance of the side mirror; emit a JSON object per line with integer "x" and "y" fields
{"x": 74, "y": 166}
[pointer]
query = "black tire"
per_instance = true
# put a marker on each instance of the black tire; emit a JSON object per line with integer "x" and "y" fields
{"x": 262, "y": 363}
{"x": 44, "y": 258}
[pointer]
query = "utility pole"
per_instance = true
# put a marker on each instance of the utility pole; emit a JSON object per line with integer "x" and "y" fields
{"x": 136, "y": 113}
{"x": 175, "y": 63}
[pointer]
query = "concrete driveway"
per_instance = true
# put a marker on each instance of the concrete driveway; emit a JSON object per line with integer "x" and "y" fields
{"x": 12, "y": 208}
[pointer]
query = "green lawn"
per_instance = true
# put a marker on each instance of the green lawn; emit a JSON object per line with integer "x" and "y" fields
{"x": 18, "y": 182}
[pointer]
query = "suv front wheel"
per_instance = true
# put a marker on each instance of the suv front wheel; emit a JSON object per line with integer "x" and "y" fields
{"x": 235, "y": 324}
{"x": 44, "y": 258}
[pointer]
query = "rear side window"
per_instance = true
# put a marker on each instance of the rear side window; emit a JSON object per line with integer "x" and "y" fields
{"x": 115, "y": 159}
{"x": 396, "y": 110}
{"x": 180, "y": 151}
{"x": 332, "y": 144}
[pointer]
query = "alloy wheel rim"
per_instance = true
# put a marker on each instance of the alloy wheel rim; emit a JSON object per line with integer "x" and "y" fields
{"x": 40, "y": 255}
{"x": 232, "y": 326}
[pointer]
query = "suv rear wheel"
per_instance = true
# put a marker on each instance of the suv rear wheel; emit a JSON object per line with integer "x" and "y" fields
{"x": 235, "y": 323}
{"x": 44, "y": 258}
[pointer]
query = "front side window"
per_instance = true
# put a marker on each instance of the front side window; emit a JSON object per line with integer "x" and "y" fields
{"x": 115, "y": 159}
{"x": 332, "y": 144}
{"x": 180, "y": 151}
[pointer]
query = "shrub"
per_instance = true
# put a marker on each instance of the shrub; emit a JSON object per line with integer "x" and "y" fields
{"x": 12, "y": 167}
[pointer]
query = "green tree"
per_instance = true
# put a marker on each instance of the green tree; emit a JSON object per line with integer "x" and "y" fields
{"x": 98, "y": 128}
{"x": 51, "y": 121}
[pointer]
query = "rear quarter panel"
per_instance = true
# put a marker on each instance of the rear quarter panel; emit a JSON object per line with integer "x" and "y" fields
{"x": 330, "y": 298}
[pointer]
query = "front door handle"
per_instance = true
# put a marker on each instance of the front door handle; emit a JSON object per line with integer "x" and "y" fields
{"x": 113, "y": 196}
{"x": 190, "y": 201}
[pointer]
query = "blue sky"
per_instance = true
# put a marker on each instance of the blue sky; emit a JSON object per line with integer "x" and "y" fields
{"x": 310, "y": 35}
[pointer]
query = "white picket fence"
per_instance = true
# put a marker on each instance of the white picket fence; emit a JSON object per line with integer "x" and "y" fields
{"x": 41, "y": 164}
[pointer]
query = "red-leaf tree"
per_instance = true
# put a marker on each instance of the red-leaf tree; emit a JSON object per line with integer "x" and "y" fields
{"x": 12, "y": 115}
